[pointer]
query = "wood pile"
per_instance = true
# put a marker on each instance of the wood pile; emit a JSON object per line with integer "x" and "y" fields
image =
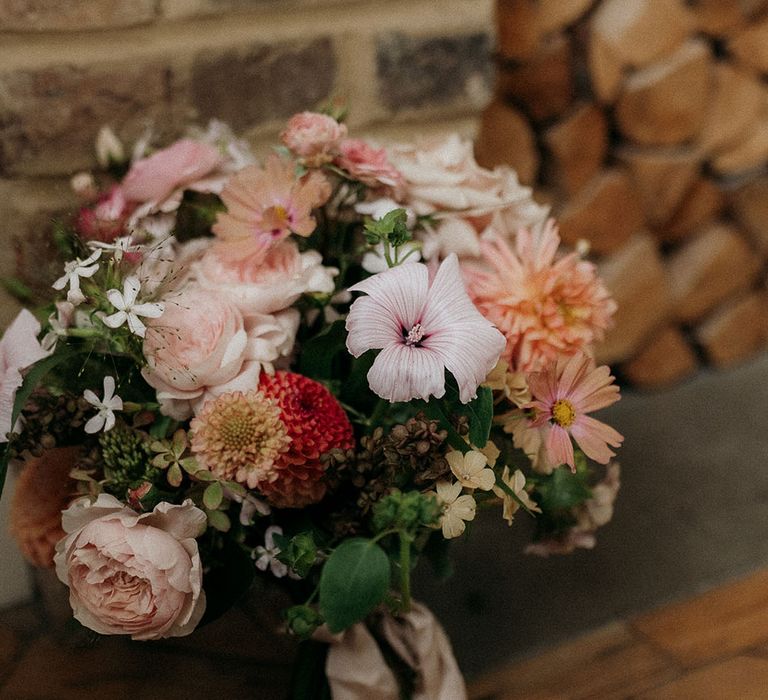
{"x": 646, "y": 123}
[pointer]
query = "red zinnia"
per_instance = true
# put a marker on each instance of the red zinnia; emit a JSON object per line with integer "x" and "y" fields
{"x": 316, "y": 424}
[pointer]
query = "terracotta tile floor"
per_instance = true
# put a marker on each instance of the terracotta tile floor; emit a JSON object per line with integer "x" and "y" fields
{"x": 711, "y": 647}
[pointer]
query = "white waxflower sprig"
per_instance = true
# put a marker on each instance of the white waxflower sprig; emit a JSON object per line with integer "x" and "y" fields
{"x": 73, "y": 271}
{"x": 106, "y": 407}
{"x": 128, "y": 310}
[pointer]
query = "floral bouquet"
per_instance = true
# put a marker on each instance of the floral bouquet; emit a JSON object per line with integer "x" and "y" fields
{"x": 313, "y": 369}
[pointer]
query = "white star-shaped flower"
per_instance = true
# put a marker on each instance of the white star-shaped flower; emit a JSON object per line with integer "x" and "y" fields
{"x": 73, "y": 271}
{"x": 118, "y": 248}
{"x": 128, "y": 310}
{"x": 266, "y": 556}
{"x": 105, "y": 418}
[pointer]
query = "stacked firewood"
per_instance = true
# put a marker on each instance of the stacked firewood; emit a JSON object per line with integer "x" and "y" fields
{"x": 645, "y": 124}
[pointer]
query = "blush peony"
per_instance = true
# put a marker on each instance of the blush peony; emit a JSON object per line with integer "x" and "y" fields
{"x": 131, "y": 573}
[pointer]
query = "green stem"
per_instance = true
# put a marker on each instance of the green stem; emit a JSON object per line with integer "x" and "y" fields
{"x": 85, "y": 332}
{"x": 405, "y": 571}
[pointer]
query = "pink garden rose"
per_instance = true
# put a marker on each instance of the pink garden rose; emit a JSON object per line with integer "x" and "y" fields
{"x": 19, "y": 349}
{"x": 153, "y": 179}
{"x": 313, "y": 136}
{"x": 367, "y": 164}
{"x": 131, "y": 573}
{"x": 442, "y": 179}
{"x": 202, "y": 346}
{"x": 265, "y": 285}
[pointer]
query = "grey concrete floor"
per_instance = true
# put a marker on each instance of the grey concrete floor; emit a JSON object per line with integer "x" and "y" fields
{"x": 692, "y": 512}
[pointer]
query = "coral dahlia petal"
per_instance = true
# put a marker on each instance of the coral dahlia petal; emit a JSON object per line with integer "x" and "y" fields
{"x": 43, "y": 490}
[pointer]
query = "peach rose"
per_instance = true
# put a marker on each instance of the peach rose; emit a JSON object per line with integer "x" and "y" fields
{"x": 131, "y": 573}
{"x": 313, "y": 136}
{"x": 202, "y": 346}
{"x": 42, "y": 491}
{"x": 265, "y": 284}
{"x": 153, "y": 179}
{"x": 368, "y": 164}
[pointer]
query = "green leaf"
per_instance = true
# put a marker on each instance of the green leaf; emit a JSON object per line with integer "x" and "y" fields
{"x": 354, "y": 581}
{"x": 160, "y": 427}
{"x": 213, "y": 496}
{"x": 219, "y": 520}
{"x": 480, "y": 414}
{"x": 32, "y": 379}
{"x": 298, "y": 552}
{"x": 318, "y": 354}
{"x": 479, "y": 411}
{"x": 174, "y": 475}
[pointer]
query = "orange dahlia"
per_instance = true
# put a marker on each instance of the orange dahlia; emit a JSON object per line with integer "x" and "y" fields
{"x": 316, "y": 424}
{"x": 239, "y": 436}
{"x": 43, "y": 490}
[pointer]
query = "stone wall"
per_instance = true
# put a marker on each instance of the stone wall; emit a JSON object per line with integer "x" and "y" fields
{"x": 67, "y": 68}
{"x": 645, "y": 123}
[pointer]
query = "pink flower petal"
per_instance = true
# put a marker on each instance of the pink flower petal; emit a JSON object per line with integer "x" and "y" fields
{"x": 593, "y": 437}
{"x": 401, "y": 289}
{"x": 559, "y": 447}
{"x": 401, "y": 373}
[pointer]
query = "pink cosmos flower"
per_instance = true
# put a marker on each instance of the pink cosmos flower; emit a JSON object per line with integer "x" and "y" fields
{"x": 563, "y": 394}
{"x": 367, "y": 164}
{"x": 266, "y": 205}
{"x": 422, "y": 329}
{"x": 19, "y": 349}
{"x": 546, "y": 307}
{"x": 154, "y": 178}
{"x": 313, "y": 136}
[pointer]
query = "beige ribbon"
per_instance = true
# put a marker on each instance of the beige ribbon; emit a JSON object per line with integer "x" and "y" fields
{"x": 356, "y": 668}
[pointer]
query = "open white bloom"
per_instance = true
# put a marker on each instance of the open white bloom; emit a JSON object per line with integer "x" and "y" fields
{"x": 266, "y": 556}
{"x": 128, "y": 310}
{"x": 456, "y": 508}
{"x": 105, "y": 418}
{"x": 73, "y": 271}
{"x": 471, "y": 469}
{"x": 516, "y": 483}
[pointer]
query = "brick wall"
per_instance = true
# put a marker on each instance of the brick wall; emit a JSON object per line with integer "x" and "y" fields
{"x": 645, "y": 123}
{"x": 67, "y": 68}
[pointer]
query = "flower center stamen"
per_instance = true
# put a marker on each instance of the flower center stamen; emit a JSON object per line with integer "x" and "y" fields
{"x": 415, "y": 335}
{"x": 563, "y": 413}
